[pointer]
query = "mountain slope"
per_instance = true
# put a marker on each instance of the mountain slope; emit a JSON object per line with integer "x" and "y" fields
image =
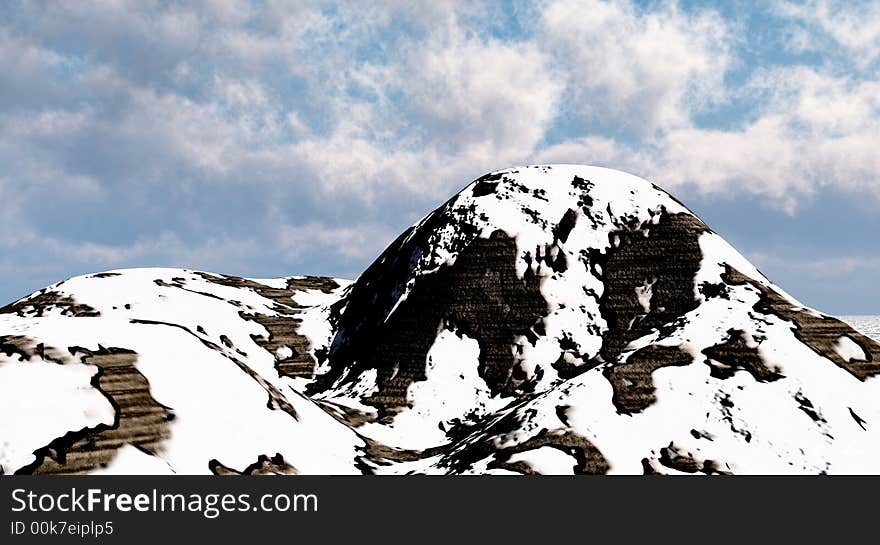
{"x": 548, "y": 319}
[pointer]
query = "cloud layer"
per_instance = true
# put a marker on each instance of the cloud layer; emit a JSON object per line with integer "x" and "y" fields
{"x": 281, "y": 137}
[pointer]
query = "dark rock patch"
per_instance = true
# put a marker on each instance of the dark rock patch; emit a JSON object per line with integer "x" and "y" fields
{"x": 667, "y": 254}
{"x": 819, "y": 333}
{"x": 26, "y": 347}
{"x": 711, "y": 291}
{"x": 571, "y": 363}
{"x": 17, "y": 345}
{"x": 808, "y": 408}
{"x": 45, "y": 300}
{"x": 565, "y": 225}
{"x": 283, "y": 327}
{"x": 632, "y": 381}
{"x": 648, "y": 467}
{"x": 535, "y": 216}
{"x": 726, "y": 404}
{"x": 562, "y": 413}
{"x": 678, "y": 459}
{"x": 675, "y": 459}
{"x": 484, "y": 187}
{"x": 139, "y": 420}
{"x": 734, "y": 354}
{"x": 371, "y": 299}
{"x": 480, "y": 296}
{"x": 549, "y": 255}
{"x": 713, "y": 467}
{"x": 276, "y": 465}
{"x": 479, "y": 443}
{"x": 552, "y": 255}
{"x": 699, "y": 434}
{"x": 588, "y": 459}
{"x": 375, "y": 454}
{"x": 585, "y": 201}
{"x": 344, "y": 414}
{"x": 859, "y": 420}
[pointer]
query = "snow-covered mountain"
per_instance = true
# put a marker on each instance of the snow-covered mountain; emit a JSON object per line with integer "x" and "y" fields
{"x": 546, "y": 319}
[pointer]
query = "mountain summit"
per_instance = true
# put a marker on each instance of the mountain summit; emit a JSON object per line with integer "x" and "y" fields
{"x": 546, "y": 319}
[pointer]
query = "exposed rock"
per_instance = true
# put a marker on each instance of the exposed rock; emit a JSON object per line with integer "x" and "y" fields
{"x": 545, "y": 319}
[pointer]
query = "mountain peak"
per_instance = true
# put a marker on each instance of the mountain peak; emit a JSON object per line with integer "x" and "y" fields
{"x": 549, "y": 318}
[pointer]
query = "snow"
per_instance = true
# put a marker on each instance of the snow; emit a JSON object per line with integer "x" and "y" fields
{"x": 453, "y": 391}
{"x": 315, "y": 319}
{"x": 546, "y": 460}
{"x": 316, "y": 298}
{"x": 130, "y": 460}
{"x": 847, "y": 349}
{"x": 688, "y": 398}
{"x": 41, "y": 401}
{"x": 277, "y": 283}
{"x": 571, "y": 307}
{"x": 283, "y": 352}
{"x": 223, "y": 396}
{"x": 644, "y": 293}
{"x": 220, "y": 411}
{"x": 716, "y": 253}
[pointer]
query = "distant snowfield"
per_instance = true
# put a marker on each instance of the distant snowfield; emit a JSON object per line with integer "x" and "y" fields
{"x": 869, "y": 325}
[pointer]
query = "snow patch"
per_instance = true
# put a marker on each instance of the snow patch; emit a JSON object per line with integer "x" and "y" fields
{"x": 847, "y": 349}
{"x": 644, "y": 293}
{"x": 546, "y": 460}
{"x": 41, "y": 401}
{"x": 453, "y": 391}
{"x": 283, "y": 352}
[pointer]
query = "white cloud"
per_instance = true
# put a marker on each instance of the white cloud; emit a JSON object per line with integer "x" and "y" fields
{"x": 634, "y": 70}
{"x": 762, "y": 159}
{"x": 45, "y": 124}
{"x": 340, "y": 122}
{"x": 163, "y": 249}
{"x": 599, "y": 151}
{"x": 465, "y": 91}
{"x": 815, "y": 130}
{"x": 19, "y": 54}
{"x": 818, "y": 100}
{"x": 356, "y": 241}
{"x": 449, "y": 107}
{"x": 823, "y": 268}
{"x": 853, "y": 25}
{"x": 446, "y": 100}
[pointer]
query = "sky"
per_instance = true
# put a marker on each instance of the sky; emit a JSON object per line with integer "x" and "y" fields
{"x": 276, "y": 138}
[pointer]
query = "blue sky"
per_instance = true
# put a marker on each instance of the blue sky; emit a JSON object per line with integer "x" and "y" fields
{"x": 274, "y": 138}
